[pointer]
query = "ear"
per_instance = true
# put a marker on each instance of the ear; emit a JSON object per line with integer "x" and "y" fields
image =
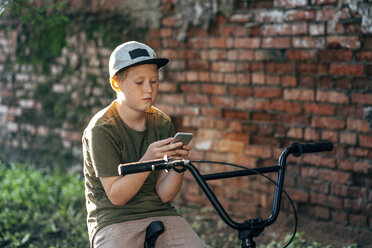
{"x": 115, "y": 84}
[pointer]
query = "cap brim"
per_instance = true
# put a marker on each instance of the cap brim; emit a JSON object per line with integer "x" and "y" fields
{"x": 160, "y": 62}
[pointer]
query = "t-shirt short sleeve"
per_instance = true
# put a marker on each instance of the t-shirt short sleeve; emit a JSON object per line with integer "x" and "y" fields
{"x": 105, "y": 153}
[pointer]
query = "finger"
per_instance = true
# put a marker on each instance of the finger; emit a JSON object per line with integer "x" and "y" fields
{"x": 186, "y": 147}
{"x": 161, "y": 143}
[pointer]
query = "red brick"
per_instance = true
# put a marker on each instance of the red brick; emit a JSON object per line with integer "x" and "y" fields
{"x": 339, "y": 189}
{"x": 240, "y": 91}
{"x": 247, "y": 42}
{"x": 328, "y": 123}
{"x": 218, "y": 42}
{"x": 305, "y": 55}
{"x": 348, "y": 138}
{"x": 342, "y": 83}
{"x": 358, "y": 125}
{"x": 311, "y": 134}
{"x": 364, "y": 55}
{"x": 210, "y": 111}
{"x": 294, "y": 119}
{"x": 216, "y": 77}
{"x": 300, "y": 15}
{"x": 327, "y": 14}
{"x": 228, "y": 30}
{"x": 197, "y": 42}
{"x": 186, "y": 110}
{"x": 173, "y": 98}
{"x": 230, "y": 78}
{"x": 350, "y": 42}
{"x": 169, "y": 21}
{"x": 329, "y": 135}
{"x": 267, "y": 92}
{"x": 258, "y": 78}
{"x": 216, "y": 55}
{"x": 166, "y": 32}
{"x": 197, "y": 99}
{"x": 298, "y": 195}
{"x": 308, "y": 42}
{"x": 362, "y": 98}
{"x": 245, "y": 55}
{"x": 250, "y": 66}
{"x": 230, "y": 146}
{"x": 319, "y": 109}
{"x": 306, "y": 81}
{"x": 223, "y": 101}
{"x": 198, "y": 65}
{"x": 281, "y": 68}
{"x": 335, "y": 55}
{"x": 347, "y": 69}
{"x": 316, "y": 29}
{"x": 319, "y": 160}
{"x": 235, "y": 114}
{"x": 258, "y": 151}
{"x": 295, "y": 133}
{"x": 334, "y": 176}
{"x": 299, "y": 94}
{"x": 276, "y": 42}
{"x": 243, "y": 78}
{"x": 313, "y": 68}
{"x": 214, "y": 89}
{"x": 332, "y": 97}
{"x": 327, "y": 201}
{"x": 192, "y": 76}
{"x": 365, "y": 141}
{"x": 223, "y": 66}
{"x": 263, "y": 117}
{"x": 287, "y": 106}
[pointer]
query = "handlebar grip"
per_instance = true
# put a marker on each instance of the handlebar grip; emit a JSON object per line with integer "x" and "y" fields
{"x": 137, "y": 167}
{"x": 297, "y": 149}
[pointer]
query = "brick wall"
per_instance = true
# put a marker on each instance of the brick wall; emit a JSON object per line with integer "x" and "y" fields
{"x": 247, "y": 87}
{"x": 263, "y": 78}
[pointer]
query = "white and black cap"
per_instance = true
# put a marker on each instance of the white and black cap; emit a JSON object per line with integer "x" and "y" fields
{"x": 133, "y": 53}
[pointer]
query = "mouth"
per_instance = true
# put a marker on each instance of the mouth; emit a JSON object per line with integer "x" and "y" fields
{"x": 147, "y": 99}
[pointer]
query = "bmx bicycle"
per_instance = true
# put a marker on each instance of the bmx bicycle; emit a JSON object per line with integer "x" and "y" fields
{"x": 249, "y": 229}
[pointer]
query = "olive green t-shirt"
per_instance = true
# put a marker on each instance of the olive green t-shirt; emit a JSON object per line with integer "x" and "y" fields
{"x": 108, "y": 142}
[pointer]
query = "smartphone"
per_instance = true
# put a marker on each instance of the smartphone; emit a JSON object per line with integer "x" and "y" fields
{"x": 183, "y": 137}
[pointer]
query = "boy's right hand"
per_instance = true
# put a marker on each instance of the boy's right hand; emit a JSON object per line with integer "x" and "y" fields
{"x": 160, "y": 148}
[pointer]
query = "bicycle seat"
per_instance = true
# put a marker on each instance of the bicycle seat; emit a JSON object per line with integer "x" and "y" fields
{"x": 152, "y": 233}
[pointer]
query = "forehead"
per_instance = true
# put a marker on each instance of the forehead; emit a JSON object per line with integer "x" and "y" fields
{"x": 143, "y": 70}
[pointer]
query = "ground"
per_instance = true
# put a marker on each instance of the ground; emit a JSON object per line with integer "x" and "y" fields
{"x": 217, "y": 234}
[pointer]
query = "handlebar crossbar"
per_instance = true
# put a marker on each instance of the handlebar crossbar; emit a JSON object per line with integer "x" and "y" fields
{"x": 248, "y": 229}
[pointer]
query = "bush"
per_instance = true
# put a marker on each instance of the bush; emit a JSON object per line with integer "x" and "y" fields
{"x": 41, "y": 208}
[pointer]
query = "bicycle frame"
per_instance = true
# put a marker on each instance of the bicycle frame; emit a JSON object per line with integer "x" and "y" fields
{"x": 248, "y": 229}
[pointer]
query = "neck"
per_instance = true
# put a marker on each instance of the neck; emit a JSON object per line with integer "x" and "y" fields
{"x": 134, "y": 119}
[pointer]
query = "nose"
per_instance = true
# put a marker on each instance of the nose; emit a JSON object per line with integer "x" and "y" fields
{"x": 147, "y": 87}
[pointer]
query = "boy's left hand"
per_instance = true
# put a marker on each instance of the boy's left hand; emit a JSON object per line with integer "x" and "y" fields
{"x": 181, "y": 152}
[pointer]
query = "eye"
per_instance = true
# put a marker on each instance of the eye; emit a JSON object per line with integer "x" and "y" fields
{"x": 139, "y": 82}
{"x": 154, "y": 81}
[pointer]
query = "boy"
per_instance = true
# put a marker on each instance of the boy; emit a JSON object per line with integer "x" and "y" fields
{"x": 130, "y": 129}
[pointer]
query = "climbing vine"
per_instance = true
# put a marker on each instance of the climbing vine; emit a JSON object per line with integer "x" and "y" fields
{"x": 44, "y": 28}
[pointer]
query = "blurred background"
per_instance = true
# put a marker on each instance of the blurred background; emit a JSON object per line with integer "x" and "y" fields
{"x": 247, "y": 77}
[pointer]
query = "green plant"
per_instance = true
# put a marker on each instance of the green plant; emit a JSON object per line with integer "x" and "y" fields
{"x": 40, "y": 208}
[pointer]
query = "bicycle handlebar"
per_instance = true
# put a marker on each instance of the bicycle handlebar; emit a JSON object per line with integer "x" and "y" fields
{"x": 297, "y": 149}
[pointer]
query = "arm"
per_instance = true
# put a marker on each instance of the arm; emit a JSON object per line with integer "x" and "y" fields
{"x": 169, "y": 184}
{"x": 132, "y": 183}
